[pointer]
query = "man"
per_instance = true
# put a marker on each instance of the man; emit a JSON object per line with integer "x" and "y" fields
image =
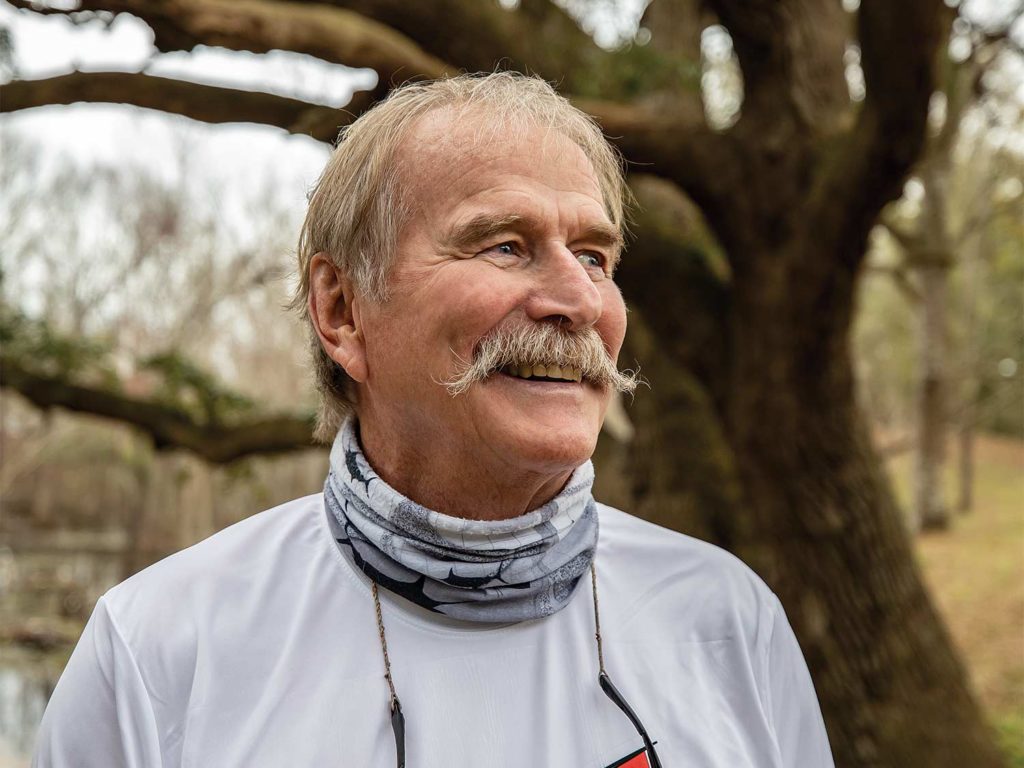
{"x": 455, "y": 596}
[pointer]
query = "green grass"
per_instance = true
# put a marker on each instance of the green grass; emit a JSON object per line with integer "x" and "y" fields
{"x": 975, "y": 571}
{"x": 1010, "y": 729}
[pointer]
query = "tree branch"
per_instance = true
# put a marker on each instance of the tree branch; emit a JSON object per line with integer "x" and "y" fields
{"x": 899, "y": 42}
{"x": 671, "y": 135}
{"x": 790, "y": 53}
{"x": 168, "y": 426}
{"x": 397, "y": 38}
{"x": 674, "y": 144}
{"x": 207, "y": 103}
{"x": 901, "y": 279}
{"x": 480, "y": 35}
{"x": 907, "y": 239}
{"x": 332, "y": 34}
{"x": 686, "y": 153}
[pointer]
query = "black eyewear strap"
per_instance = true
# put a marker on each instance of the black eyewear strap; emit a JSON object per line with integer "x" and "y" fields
{"x": 398, "y": 719}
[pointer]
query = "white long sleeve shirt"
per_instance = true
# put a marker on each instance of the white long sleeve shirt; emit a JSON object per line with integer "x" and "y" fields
{"x": 259, "y": 647}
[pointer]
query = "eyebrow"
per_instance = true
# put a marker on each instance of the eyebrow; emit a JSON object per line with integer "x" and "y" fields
{"x": 482, "y": 227}
{"x": 485, "y": 226}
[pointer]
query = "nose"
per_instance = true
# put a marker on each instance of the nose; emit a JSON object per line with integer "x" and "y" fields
{"x": 564, "y": 292}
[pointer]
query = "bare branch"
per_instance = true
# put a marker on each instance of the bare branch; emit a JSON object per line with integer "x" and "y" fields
{"x": 207, "y": 103}
{"x": 902, "y": 280}
{"x": 908, "y": 241}
{"x": 168, "y": 426}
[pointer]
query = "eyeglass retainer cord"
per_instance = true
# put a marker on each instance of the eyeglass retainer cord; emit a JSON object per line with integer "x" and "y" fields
{"x": 398, "y": 719}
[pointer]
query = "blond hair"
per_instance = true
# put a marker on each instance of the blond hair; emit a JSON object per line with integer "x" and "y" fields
{"x": 357, "y": 209}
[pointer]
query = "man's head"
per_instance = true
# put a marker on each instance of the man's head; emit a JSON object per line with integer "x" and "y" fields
{"x": 462, "y": 231}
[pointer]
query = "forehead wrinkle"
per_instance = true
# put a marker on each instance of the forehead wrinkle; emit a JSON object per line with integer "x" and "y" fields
{"x": 440, "y": 150}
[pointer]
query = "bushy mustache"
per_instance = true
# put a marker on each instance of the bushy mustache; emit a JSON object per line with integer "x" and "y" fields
{"x": 543, "y": 344}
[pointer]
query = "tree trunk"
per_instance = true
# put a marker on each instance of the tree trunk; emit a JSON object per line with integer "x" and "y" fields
{"x": 969, "y": 360}
{"x": 965, "y": 439}
{"x": 680, "y": 469}
{"x": 931, "y": 512}
{"x": 827, "y": 535}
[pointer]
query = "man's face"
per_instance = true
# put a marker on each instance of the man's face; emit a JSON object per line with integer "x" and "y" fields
{"x": 507, "y": 230}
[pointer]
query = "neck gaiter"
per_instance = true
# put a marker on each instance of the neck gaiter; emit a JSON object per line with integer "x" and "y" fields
{"x": 477, "y": 570}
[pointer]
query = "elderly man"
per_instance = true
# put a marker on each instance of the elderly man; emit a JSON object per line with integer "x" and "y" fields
{"x": 455, "y": 596}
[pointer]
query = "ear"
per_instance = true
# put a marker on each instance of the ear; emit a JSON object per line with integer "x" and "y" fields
{"x": 334, "y": 310}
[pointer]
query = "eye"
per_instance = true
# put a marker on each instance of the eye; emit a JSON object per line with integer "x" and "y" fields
{"x": 590, "y": 259}
{"x": 508, "y": 248}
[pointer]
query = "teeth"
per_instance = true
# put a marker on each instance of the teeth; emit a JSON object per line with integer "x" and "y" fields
{"x": 565, "y": 373}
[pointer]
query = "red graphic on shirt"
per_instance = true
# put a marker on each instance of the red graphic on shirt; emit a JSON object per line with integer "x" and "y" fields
{"x": 636, "y": 759}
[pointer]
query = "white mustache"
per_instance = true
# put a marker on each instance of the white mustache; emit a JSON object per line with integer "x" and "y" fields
{"x": 543, "y": 344}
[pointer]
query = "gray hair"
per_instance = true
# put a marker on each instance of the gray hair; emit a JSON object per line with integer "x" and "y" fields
{"x": 357, "y": 208}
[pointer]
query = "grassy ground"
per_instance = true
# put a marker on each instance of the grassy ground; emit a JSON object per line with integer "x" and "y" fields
{"x": 976, "y": 573}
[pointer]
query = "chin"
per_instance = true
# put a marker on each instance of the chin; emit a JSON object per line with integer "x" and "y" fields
{"x": 549, "y": 447}
{"x": 542, "y": 429}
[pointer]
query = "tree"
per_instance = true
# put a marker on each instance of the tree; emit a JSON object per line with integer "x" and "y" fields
{"x": 89, "y": 350}
{"x": 932, "y": 243}
{"x": 751, "y": 362}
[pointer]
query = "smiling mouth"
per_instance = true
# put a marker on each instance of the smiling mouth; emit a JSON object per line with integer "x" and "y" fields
{"x": 554, "y": 373}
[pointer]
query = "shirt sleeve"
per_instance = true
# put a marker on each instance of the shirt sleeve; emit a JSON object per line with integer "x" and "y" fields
{"x": 100, "y": 714}
{"x": 793, "y": 705}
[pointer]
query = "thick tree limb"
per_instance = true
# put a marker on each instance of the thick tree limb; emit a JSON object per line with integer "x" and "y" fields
{"x": 407, "y": 40}
{"x": 686, "y": 153}
{"x": 790, "y": 52}
{"x": 479, "y": 35}
{"x": 676, "y": 26}
{"x": 673, "y": 139}
{"x": 794, "y": 97}
{"x": 866, "y": 170}
{"x": 675, "y": 144}
{"x": 168, "y": 426}
{"x": 207, "y": 103}
{"x": 332, "y": 34}
{"x": 398, "y": 39}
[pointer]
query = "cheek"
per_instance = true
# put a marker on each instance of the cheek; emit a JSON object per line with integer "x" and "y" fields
{"x": 472, "y": 305}
{"x": 449, "y": 312}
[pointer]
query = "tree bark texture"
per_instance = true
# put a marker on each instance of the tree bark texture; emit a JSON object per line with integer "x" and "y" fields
{"x": 894, "y": 690}
{"x": 752, "y": 384}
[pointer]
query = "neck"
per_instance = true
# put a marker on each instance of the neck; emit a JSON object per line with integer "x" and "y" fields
{"x": 466, "y": 486}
